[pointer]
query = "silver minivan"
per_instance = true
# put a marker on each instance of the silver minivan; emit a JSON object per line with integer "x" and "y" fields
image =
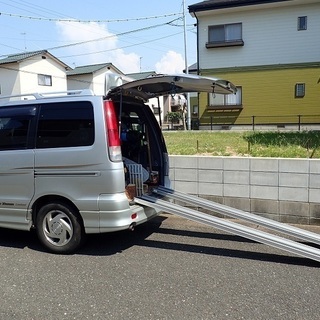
{"x": 71, "y": 164}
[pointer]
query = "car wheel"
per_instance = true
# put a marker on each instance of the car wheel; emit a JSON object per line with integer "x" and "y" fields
{"x": 59, "y": 228}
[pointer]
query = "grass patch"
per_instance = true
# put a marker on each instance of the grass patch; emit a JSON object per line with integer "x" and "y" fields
{"x": 257, "y": 144}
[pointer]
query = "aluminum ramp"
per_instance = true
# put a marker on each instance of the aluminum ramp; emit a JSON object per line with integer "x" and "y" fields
{"x": 161, "y": 197}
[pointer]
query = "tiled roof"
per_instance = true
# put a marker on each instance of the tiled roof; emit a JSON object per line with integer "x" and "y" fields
{"x": 14, "y": 58}
{"x": 220, "y": 4}
{"x": 88, "y": 69}
{"x": 21, "y": 56}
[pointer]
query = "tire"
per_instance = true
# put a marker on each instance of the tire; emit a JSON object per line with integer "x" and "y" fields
{"x": 59, "y": 228}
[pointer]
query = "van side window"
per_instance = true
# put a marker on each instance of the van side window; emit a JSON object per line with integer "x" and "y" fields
{"x": 65, "y": 124}
{"x": 14, "y": 127}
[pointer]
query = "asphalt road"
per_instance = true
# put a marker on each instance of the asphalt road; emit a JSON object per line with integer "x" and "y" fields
{"x": 169, "y": 268}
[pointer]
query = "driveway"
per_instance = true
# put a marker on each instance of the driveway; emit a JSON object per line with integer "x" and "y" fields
{"x": 170, "y": 268}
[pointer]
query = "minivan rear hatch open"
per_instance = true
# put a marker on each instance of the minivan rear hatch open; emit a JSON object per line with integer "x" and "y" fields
{"x": 160, "y": 85}
{"x": 143, "y": 146}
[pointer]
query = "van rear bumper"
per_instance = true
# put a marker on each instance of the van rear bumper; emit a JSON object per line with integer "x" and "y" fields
{"x": 116, "y": 214}
{"x": 135, "y": 216}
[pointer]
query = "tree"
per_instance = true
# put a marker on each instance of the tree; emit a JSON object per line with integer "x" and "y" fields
{"x": 174, "y": 117}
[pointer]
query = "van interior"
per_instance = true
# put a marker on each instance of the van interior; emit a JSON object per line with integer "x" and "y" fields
{"x": 142, "y": 145}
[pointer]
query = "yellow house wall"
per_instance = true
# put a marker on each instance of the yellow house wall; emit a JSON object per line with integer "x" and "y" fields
{"x": 193, "y": 102}
{"x": 269, "y": 95}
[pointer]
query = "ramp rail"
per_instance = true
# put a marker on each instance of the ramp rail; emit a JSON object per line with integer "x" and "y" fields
{"x": 162, "y": 199}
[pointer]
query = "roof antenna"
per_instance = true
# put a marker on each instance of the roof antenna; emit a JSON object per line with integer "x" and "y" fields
{"x": 25, "y": 42}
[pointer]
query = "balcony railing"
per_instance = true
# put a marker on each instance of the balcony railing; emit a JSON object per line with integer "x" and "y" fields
{"x": 219, "y": 44}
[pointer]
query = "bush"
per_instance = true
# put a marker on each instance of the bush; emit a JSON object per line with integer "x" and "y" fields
{"x": 174, "y": 117}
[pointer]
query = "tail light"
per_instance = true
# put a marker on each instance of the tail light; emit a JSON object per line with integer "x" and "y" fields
{"x": 112, "y": 131}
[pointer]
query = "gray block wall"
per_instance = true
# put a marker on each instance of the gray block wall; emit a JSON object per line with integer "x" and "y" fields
{"x": 286, "y": 190}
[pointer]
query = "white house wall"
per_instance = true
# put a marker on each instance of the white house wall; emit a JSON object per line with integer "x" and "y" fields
{"x": 99, "y": 82}
{"x": 9, "y": 80}
{"x": 277, "y": 41}
{"x": 94, "y": 81}
{"x": 78, "y": 82}
{"x": 29, "y": 70}
{"x": 155, "y": 103}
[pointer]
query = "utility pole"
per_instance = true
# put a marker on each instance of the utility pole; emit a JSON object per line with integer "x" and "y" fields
{"x": 186, "y": 63}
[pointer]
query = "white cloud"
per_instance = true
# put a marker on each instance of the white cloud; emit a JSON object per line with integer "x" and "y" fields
{"x": 171, "y": 62}
{"x": 93, "y": 52}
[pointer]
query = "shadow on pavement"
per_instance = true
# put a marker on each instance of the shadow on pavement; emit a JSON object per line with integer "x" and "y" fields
{"x": 117, "y": 242}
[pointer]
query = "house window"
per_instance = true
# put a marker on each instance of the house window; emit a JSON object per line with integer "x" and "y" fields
{"x": 195, "y": 110}
{"x": 302, "y": 23}
{"x": 156, "y": 109}
{"x": 300, "y": 90}
{"x": 225, "y": 35}
{"x": 44, "y": 80}
{"x": 221, "y": 100}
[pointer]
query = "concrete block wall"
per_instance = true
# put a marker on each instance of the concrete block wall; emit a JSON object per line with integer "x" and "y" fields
{"x": 286, "y": 190}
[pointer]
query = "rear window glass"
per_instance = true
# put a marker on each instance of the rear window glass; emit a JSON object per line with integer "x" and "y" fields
{"x": 15, "y": 126}
{"x": 68, "y": 124}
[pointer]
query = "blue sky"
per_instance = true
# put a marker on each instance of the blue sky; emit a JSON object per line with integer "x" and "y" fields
{"x": 134, "y": 35}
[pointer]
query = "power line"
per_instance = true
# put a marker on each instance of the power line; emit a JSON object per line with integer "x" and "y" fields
{"x": 111, "y": 36}
{"x": 127, "y": 46}
{"x": 44, "y": 15}
{"x": 170, "y": 23}
{"x": 88, "y": 21}
{"x": 27, "y": 4}
{"x": 29, "y": 72}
